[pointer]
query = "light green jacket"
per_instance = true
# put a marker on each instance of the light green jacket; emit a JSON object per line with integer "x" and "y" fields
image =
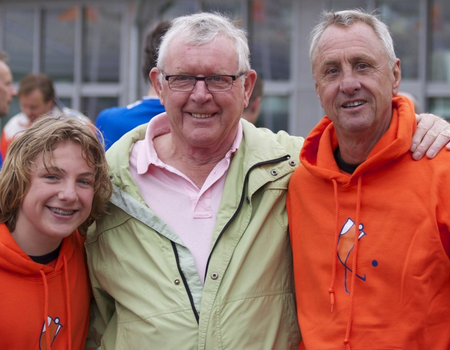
{"x": 147, "y": 290}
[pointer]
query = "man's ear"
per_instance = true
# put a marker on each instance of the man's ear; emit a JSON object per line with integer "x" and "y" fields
{"x": 249, "y": 84}
{"x": 397, "y": 73}
{"x": 156, "y": 79}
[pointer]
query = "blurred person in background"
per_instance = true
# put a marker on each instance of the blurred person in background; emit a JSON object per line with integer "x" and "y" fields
{"x": 36, "y": 97}
{"x": 7, "y": 90}
{"x": 115, "y": 121}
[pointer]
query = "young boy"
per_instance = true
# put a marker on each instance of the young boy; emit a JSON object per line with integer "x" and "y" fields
{"x": 54, "y": 183}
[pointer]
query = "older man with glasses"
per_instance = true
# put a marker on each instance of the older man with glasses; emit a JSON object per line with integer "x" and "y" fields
{"x": 195, "y": 253}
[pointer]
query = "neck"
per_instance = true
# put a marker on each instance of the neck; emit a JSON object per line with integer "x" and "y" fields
{"x": 35, "y": 246}
{"x": 195, "y": 162}
{"x": 355, "y": 148}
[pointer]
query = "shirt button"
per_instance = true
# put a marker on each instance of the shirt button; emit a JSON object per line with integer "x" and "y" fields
{"x": 214, "y": 276}
{"x": 177, "y": 281}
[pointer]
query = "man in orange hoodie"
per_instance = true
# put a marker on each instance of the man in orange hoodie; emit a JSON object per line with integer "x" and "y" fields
{"x": 369, "y": 226}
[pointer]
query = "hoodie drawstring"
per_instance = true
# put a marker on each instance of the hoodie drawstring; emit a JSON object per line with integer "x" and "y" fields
{"x": 354, "y": 266}
{"x": 69, "y": 310}
{"x": 335, "y": 252}
{"x": 47, "y": 335}
{"x": 354, "y": 261}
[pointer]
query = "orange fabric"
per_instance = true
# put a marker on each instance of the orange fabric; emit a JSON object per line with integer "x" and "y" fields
{"x": 381, "y": 227}
{"x": 41, "y": 305}
{"x": 4, "y": 144}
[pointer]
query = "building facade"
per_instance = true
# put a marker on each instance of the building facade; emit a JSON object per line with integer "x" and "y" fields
{"x": 92, "y": 49}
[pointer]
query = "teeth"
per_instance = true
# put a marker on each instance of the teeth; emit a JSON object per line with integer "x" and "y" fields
{"x": 61, "y": 212}
{"x": 201, "y": 116}
{"x": 354, "y": 104}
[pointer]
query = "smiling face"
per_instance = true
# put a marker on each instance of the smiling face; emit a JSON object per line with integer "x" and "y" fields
{"x": 201, "y": 119}
{"x": 355, "y": 81}
{"x": 58, "y": 200}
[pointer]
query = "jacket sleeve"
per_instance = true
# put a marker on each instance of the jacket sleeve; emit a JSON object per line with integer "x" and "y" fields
{"x": 102, "y": 305}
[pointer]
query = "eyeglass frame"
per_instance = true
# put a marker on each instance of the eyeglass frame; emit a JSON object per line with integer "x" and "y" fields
{"x": 233, "y": 77}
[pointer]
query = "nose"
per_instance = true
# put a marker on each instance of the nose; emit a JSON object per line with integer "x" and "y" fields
{"x": 349, "y": 82}
{"x": 68, "y": 193}
{"x": 200, "y": 93}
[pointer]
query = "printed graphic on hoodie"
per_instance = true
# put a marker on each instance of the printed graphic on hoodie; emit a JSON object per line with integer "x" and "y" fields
{"x": 346, "y": 243}
{"x": 54, "y": 326}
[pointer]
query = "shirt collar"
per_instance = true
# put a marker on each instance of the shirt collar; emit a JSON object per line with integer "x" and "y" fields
{"x": 159, "y": 125}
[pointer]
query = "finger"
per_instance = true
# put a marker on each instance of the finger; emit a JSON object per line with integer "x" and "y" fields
{"x": 424, "y": 145}
{"x": 424, "y": 124}
{"x": 431, "y": 144}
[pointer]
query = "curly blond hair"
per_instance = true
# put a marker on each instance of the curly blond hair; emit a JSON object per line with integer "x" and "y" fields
{"x": 40, "y": 139}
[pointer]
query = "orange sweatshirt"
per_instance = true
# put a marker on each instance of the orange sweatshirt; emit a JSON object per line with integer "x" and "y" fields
{"x": 387, "y": 286}
{"x": 37, "y": 300}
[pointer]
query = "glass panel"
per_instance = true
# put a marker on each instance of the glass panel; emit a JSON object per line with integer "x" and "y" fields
{"x": 64, "y": 102}
{"x": 440, "y": 41}
{"x": 337, "y": 5}
{"x": 92, "y": 106}
{"x": 402, "y": 17}
{"x": 270, "y": 38}
{"x": 18, "y": 32}
{"x": 101, "y": 37}
{"x": 274, "y": 113}
{"x": 230, "y": 7}
{"x": 59, "y": 43}
{"x": 170, "y": 9}
{"x": 440, "y": 106}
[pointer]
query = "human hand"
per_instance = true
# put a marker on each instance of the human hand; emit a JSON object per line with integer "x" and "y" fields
{"x": 432, "y": 134}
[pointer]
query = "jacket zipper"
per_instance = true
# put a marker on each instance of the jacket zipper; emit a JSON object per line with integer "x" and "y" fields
{"x": 186, "y": 286}
{"x": 286, "y": 157}
{"x": 188, "y": 291}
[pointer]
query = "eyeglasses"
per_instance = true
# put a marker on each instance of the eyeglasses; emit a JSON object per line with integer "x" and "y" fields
{"x": 214, "y": 83}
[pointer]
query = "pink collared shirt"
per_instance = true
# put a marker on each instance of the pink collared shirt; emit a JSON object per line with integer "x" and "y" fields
{"x": 189, "y": 211}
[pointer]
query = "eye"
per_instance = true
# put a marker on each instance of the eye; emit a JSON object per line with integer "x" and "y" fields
{"x": 182, "y": 78}
{"x": 51, "y": 177}
{"x": 331, "y": 71}
{"x": 362, "y": 66}
{"x": 217, "y": 78}
{"x": 86, "y": 181}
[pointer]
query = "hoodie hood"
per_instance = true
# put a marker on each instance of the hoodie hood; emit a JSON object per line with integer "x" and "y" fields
{"x": 47, "y": 294}
{"x": 317, "y": 154}
{"x": 13, "y": 258}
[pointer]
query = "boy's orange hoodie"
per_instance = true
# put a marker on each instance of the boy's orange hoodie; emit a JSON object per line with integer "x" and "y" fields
{"x": 37, "y": 300}
{"x": 387, "y": 286}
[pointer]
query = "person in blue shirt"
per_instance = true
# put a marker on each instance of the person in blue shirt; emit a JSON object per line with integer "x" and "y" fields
{"x": 7, "y": 89}
{"x": 115, "y": 121}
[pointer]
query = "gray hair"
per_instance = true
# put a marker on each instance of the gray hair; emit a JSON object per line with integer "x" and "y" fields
{"x": 201, "y": 28}
{"x": 345, "y": 19}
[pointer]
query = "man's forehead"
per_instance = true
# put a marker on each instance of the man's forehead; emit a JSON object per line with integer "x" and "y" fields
{"x": 184, "y": 57}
